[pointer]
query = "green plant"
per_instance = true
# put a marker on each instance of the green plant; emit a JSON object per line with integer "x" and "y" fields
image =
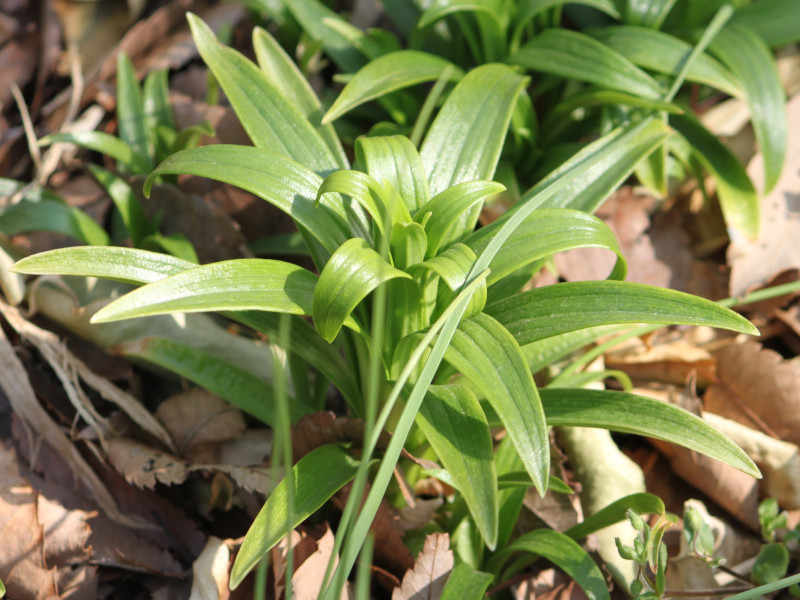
{"x": 417, "y": 317}
{"x": 595, "y": 64}
{"x": 650, "y": 555}
{"x": 773, "y": 558}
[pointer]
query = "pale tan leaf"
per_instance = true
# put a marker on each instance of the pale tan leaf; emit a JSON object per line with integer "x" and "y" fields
{"x": 143, "y": 465}
{"x": 427, "y": 579}
{"x": 419, "y": 515}
{"x": 210, "y": 571}
{"x": 777, "y": 247}
{"x": 253, "y": 479}
{"x": 308, "y": 577}
{"x": 198, "y": 417}
{"x": 757, "y": 388}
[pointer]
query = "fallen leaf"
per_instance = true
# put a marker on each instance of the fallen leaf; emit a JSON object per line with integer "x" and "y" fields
{"x": 308, "y": 577}
{"x": 757, "y": 388}
{"x": 317, "y": 429}
{"x": 143, "y": 465}
{"x": 420, "y": 514}
{"x": 210, "y": 571}
{"x": 427, "y": 579}
{"x": 777, "y": 247}
{"x": 550, "y": 584}
{"x": 198, "y": 417}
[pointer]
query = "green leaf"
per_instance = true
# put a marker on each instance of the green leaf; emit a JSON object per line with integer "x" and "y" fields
{"x": 442, "y": 214}
{"x": 465, "y": 583}
{"x": 386, "y": 74}
{"x": 315, "y": 478}
{"x": 54, "y": 216}
{"x": 408, "y": 243}
{"x": 751, "y": 61}
{"x": 774, "y": 20}
{"x": 771, "y": 563}
{"x": 106, "y": 144}
{"x": 352, "y": 272}
{"x": 282, "y": 71}
{"x": 345, "y": 44}
{"x": 489, "y": 356}
{"x": 112, "y": 262}
{"x": 544, "y": 233}
{"x": 396, "y": 160}
{"x": 438, "y": 9}
{"x": 453, "y": 266}
{"x": 663, "y": 53}
{"x": 628, "y": 413}
{"x": 238, "y": 386}
{"x": 453, "y": 422}
{"x": 737, "y": 196}
{"x": 573, "y": 55}
{"x": 465, "y": 139}
{"x": 280, "y": 181}
{"x": 176, "y": 244}
{"x": 615, "y": 512}
{"x": 564, "y": 552}
{"x": 127, "y": 203}
{"x": 131, "y": 120}
{"x": 271, "y": 119}
{"x": 648, "y": 13}
{"x": 552, "y": 310}
{"x": 242, "y": 284}
{"x": 373, "y": 197}
{"x": 155, "y": 101}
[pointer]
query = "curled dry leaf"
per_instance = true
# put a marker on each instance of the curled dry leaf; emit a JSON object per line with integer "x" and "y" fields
{"x": 307, "y": 579}
{"x": 420, "y": 514}
{"x": 757, "y": 388}
{"x": 197, "y": 417}
{"x": 427, "y": 579}
{"x": 210, "y": 571}
{"x": 143, "y": 465}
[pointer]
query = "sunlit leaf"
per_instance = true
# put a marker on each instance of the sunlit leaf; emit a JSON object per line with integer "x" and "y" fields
{"x": 751, "y": 61}
{"x": 54, "y": 216}
{"x": 107, "y": 144}
{"x": 315, "y": 478}
{"x": 628, "y": 413}
{"x": 555, "y": 309}
{"x": 387, "y": 74}
{"x": 243, "y": 284}
{"x": 465, "y": 583}
{"x": 130, "y": 110}
{"x": 352, "y": 272}
{"x": 615, "y": 512}
{"x": 456, "y": 428}
{"x": 489, "y": 356}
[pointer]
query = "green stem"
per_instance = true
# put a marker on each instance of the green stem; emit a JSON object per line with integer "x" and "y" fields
{"x": 429, "y": 105}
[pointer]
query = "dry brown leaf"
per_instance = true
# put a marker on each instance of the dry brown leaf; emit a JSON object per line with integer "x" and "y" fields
{"x": 777, "y": 247}
{"x": 198, "y": 417}
{"x": 308, "y": 577}
{"x": 325, "y": 427}
{"x": 427, "y": 579}
{"x": 252, "y": 479}
{"x": 143, "y": 465}
{"x": 210, "y": 571}
{"x": 420, "y": 514}
{"x": 17, "y": 388}
{"x": 252, "y": 448}
{"x": 302, "y": 545}
{"x": 550, "y": 584}
{"x": 757, "y": 388}
{"x": 558, "y": 511}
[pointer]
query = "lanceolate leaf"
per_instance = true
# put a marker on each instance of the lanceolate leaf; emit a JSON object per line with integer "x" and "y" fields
{"x": 544, "y": 233}
{"x": 569, "y": 54}
{"x": 54, "y": 216}
{"x": 270, "y": 119}
{"x": 737, "y": 196}
{"x": 140, "y": 266}
{"x": 774, "y": 20}
{"x": 454, "y": 424}
{"x": 660, "y": 52}
{"x": 628, "y": 413}
{"x": 107, "y": 144}
{"x": 445, "y": 210}
{"x": 396, "y": 160}
{"x": 283, "y": 72}
{"x": 386, "y": 74}
{"x": 438, "y": 9}
{"x": 280, "y": 181}
{"x": 486, "y": 353}
{"x": 564, "y": 552}
{"x": 130, "y": 110}
{"x": 648, "y": 13}
{"x": 352, "y": 272}
{"x": 315, "y": 478}
{"x": 555, "y": 309}
{"x": 243, "y": 284}
{"x": 465, "y": 583}
{"x": 125, "y": 200}
{"x": 752, "y": 63}
{"x": 465, "y": 139}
